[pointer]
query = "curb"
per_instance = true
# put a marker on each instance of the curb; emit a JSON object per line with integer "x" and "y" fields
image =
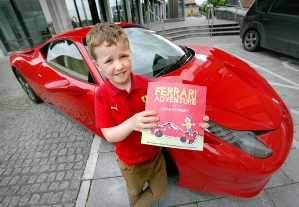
{"x": 89, "y": 172}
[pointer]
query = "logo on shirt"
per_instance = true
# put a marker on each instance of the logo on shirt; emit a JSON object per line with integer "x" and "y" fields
{"x": 114, "y": 107}
{"x": 143, "y": 98}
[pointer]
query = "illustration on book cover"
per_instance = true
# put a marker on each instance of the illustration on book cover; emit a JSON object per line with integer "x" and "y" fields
{"x": 180, "y": 108}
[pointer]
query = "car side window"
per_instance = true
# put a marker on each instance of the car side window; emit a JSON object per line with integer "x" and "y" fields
{"x": 263, "y": 5}
{"x": 65, "y": 56}
{"x": 290, "y": 7}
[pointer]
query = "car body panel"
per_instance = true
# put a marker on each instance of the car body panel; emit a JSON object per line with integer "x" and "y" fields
{"x": 278, "y": 34}
{"x": 237, "y": 98}
{"x": 215, "y": 172}
{"x": 253, "y": 97}
{"x": 294, "y": 45}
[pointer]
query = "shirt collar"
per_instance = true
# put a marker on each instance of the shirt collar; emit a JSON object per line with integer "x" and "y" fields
{"x": 114, "y": 90}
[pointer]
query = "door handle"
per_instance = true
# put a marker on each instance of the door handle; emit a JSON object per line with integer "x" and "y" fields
{"x": 63, "y": 85}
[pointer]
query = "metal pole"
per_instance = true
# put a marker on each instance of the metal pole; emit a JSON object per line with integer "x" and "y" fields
{"x": 80, "y": 22}
{"x": 84, "y": 12}
{"x": 157, "y": 18}
{"x": 209, "y": 6}
{"x": 212, "y": 8}
{"x": 148, "y": 14}
{"x": 239, "y": 3}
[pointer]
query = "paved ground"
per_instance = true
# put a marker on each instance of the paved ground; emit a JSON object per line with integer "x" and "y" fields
{"x": 42, "y": 153}
{"x": 46, "y": 159}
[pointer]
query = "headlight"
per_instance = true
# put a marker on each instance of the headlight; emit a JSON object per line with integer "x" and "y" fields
{"x": 243, "y": 140}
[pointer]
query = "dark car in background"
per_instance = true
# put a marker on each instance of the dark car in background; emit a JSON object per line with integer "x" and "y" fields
{"x": 272, "y": 24}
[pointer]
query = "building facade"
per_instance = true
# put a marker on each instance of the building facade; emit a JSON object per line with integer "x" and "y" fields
{"x": 27, "y": 23}
{"x": 247, "y": 3}
{"x": 191, "y": 8}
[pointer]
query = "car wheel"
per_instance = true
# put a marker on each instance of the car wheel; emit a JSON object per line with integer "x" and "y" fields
{"x": 28, "y": 90}
{"x": 183, "y": 139}
{"x": 251, "y": 41}
{"x": 158, "y": 133}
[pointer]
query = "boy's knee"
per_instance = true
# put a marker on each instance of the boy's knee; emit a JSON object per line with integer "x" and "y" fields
{"x": 160, "y": 191}
{"x": 163, "y": 191}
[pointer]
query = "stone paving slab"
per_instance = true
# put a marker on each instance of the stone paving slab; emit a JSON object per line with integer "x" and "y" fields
{"x": 108, "y": 192}
{"x": 108, "y": 159}
{"x": 284, "y": 196}
{"x": 42, "y": 153}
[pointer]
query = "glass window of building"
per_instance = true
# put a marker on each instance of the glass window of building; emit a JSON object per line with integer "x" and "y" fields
{"x": 135, "y": 11}
{"x": 180, "y": 9}
{"x": 71, "y": 7}
{"x": 118, "y": 10}
{"x": 23, "y": 24}
{"x": 144, "y": 11}
{"x": 84, "y": 12}
{"x": 79, "y": 12}
{"x": 100, "y": 11}
{"x": 33, "y": 19}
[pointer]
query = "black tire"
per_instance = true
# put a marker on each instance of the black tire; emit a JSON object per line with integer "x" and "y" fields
{"x": 28, "y": 90}
{"x": 183, "y": 139}
{"x": 158, "y": 133}
{"x": 251, "y": 41}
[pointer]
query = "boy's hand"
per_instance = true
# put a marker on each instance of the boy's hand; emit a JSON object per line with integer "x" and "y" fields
{"x": 143, "y": 120}
{"x": 204, "y": 125}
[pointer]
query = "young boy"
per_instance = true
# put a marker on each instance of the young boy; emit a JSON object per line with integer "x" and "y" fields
{"x": 119, "y": 110}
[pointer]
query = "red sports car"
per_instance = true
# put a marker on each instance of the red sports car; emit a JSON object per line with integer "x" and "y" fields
{"x": 171, "y": 130}
{"x": 251, "y": 129}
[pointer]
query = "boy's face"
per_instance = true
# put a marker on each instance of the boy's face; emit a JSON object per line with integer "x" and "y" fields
{"x": 115, "y": 62}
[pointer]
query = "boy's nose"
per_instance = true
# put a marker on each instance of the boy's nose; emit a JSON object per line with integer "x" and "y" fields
{"x": 118, "y": 64}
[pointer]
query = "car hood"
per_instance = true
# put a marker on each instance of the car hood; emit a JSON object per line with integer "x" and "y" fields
{"x": 237, "y": 96}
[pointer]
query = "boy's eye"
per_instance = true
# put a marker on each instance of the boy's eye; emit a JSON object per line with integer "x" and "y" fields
{"x": 108, "y": 61}
{"x": 124, "y": 56}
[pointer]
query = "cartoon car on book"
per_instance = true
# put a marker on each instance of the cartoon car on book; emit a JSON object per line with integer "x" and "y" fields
{"x": 169, "y": 129}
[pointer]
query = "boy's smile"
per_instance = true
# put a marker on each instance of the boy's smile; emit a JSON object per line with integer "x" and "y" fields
{"x": 116, "y": 64}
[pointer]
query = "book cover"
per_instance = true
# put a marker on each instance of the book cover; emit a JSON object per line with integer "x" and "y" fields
{"x": 180, "y": 108}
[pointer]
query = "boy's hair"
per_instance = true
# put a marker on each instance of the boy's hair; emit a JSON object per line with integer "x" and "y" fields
{"x": 106, "y": 32}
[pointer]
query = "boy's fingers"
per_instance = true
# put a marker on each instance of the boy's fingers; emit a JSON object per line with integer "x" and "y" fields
{"x": 154, "y": 118}
{"x": 146, "y": 126}
{"x": 149, "y": 113}
{"x": 206, "y": 118}
{"x": 204, "y": 125}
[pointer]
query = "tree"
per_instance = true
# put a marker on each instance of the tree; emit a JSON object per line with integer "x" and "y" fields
{"x": 215, "y": 3}
{"x": 218, "y": 2}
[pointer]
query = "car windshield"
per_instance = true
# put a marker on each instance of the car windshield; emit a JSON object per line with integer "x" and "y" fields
{"x": 152, "y": 54}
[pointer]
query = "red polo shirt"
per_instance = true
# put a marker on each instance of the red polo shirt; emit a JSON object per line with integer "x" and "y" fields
{"x": 113, "y": 106}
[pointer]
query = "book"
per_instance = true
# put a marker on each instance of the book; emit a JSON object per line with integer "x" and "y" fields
{"x": 180, "y": 108}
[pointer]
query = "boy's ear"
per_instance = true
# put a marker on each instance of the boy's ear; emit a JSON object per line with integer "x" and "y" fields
{"x": 96, "y": 64}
